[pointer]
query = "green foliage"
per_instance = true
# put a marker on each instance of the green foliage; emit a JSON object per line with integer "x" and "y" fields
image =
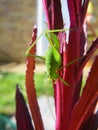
{"x": 8, "y": 83}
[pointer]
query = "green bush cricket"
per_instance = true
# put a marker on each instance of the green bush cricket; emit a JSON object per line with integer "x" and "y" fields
{"x": 52, "y": 58}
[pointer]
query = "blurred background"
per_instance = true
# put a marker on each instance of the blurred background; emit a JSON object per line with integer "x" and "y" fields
{"x": 17, "y": 18}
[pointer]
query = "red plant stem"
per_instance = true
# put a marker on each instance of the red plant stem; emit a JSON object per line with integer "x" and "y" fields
{"x": 30, "y": 89}
{"x": 70, "y": 77}
{"x": 83, "y": 10}
{"x": 58, "y": 105}
{"x": 47, "y": 8}
{"x": 53, "y": 14}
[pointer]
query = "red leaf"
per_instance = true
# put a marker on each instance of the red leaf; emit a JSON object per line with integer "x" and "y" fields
{"x": 85, "y": 105}
{"x": 88, "y": 55}
{"x": 84, "y": 60}
{"x": 23, "y": 118}
{"x": 30, "y": 89}
{"x": 92, "y": 122}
